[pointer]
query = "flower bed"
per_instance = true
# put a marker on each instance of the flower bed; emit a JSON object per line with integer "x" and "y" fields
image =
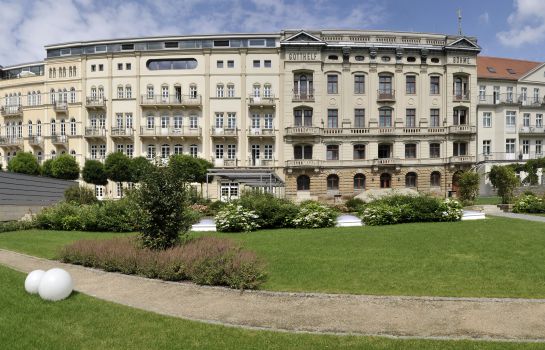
{"x": 529, "y": 204}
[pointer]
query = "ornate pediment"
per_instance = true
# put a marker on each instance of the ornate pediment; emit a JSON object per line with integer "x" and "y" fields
{"x": 303, "y": 38}
{"x": 464, "y": 44}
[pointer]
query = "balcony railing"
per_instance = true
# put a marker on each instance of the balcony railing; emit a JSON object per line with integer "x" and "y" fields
{"x": 10, "y": 141}
{"x": 36, "y": 141}
{"x": 60, "y": 107}
{"x": 303, "y": 95}
{"x": 375, "y": 131}
{"x": 303, "y": 163}
{"x": 386, "y": 95}
{"x": 462, "y": 129}
{"x": 303, "y": 130}
{"x": 506, "y": 157}
{"x": 386, "y": 162}
{"x": 532, "y": 129}
{"x": 11, "y": 111}
{"x": 511, "y": 99}
{"x": 462, "y": 159}
{"x": 95, "y": 102}
{"x": 176, "y": 100}
{"x": 260, "y": 132}
{"x": 461, "y": 96}
{"x": 261, "y": 101}
{"x": 231, "y": 132}
{"x": 122, "y": 132}
{"x": 225, "y": 162}
{"x": 59, "y": 139}
{"x": 171, "y": 131}
{"x": 95, "y": 132}
{"x": 261, "y": 162}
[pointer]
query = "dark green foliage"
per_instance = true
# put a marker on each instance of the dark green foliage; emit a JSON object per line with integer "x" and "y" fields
{"x": 24, "y": 163}
{"x": 8, "y": 226}
{"x": 273, "y": 212}
{"x": 505, "y": 181}
{"x": 468, "y": 187}
{"x": 188, "y": 168}
{"x": 163, "y": 209}
{"x": 47, "y": 168}
{"x": 93, "y": 173}
{"x": 529, "y": 203}
{"x": 354, "y": 204}
{"x": 139, "y": 167}
{"x": 65, "y": 167}
{"x": 80, "y": 195}
{"x": 118, "y": 167}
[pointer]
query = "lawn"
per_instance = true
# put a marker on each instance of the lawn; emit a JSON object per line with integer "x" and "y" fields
{"x": 497, "y": 257}
{"x": 494, "y": 200}
{"x": 83, "y": 322}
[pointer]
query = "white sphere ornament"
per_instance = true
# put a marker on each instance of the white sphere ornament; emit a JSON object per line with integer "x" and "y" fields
{"x": 32, "y": 281}
{"x": 56, "y": 285}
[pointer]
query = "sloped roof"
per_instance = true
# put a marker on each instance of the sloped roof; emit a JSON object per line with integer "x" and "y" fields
{"x": 503, "y": 68}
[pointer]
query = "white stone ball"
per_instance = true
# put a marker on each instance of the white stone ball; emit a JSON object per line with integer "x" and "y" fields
{"x": 32, "y": 281}
{"x": 56, "y": 285}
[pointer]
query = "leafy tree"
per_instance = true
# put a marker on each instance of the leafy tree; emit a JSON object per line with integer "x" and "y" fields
{"x": 505, "y": 181}
{"x": 468, "y": 183}
{"x": 93, "y": 172}
{"x": 24, "y": 163}
{"x": 118, "y": 167}
{"x": 47, "y": 168}
{"x": 65, "y": 167}
{"x": 190, "y": 169}
{"x": 163, "y": 212}
{"x": 139, "y": 167}
{"x": 80, "y": 195}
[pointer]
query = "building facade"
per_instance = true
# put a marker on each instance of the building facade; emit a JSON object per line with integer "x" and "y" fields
{"x": 326, "y": 113}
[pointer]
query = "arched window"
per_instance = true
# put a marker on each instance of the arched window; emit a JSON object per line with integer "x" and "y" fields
{"x": 333, "y": 182}
{"x": 267, "y": 90}
{"x": 256, "y": 91}
{"x": 52, "y": 96}
{"x": 193, "y": 91}
{"x": 302, "y": 117}
{"x": 28, "y": 99}
{"x": 385, "y": 180}
{"x": 70, "y": 71}
{"x": 53, "y": 127}
{"x": 359, "y": 182}
{"x": 63, "y": 127}
{"x": 303, "y": 86}
{"x": 194, "y": 151}
{"x": 100, "y": 92}
{"x": 74, "y": 71}
{"x": 178, "y": 149}
{"x": 73, "y": 126}
{"x": 38, "y": 98}
{"x": 219, "y": 90}
{"x": 120, "y": 92}
{"x": 303, "y": 183}
{"x": 128, "y": 91}
{"x": 38, "y": 128}
{"x": 72, "y": 95}
{"x": 30, "y": 128}
{"x": 410, "y": 180}
{"x": 435, "y": 179}
{"x": 165, "y": 151}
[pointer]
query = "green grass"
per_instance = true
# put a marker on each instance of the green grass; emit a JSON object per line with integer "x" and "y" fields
{"x": 497, "y": 257}
{"x": 82, "y": 322}
{"x": 494, "y": 200}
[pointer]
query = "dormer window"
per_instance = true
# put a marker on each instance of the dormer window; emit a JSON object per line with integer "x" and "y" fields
{"x": 511, "y": 71}
{"x": 491, "y": 69}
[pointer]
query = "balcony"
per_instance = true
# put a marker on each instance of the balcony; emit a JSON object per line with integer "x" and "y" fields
{"x": 461, "y": 96}
{"x": 532, "y": 102}
{"x": 36, "y": 141}
{"x": 462, "y": 129}
{"x": 95, "y": 103}
{"x": 11, "y": 111}
{"x": 303, "y": 131}
{"x": 96, "y": 133}
{"x": 60, "y": 107}
{"x": 532, "y": 130}
{"x": 59, "y": 140}
{"x": 122, "y": 132}
{"x": 303, "y": 163}
{"x": 261, "y": 102}
{"x": 507, "y": 157}
{"x": 386, "y": 163}
{"x": 261, "y": 162}
{"x": 260, "y": 132}
{"x": 463, "y": 159}
{"x": 303, "y": 95}
{"x": 224, "y": 162}
{"x": 170, "y": 132}
{"x": 224, "y": 132}
{"x": 386, "y": 96}
{"x": 171, "y": 101}
{"x": 8, "y": 141}
{"x": 510, "y": 99}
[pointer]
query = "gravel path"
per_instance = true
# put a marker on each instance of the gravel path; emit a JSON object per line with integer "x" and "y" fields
{"x": 495, "y": 211}
{"x": 422, "y": 317}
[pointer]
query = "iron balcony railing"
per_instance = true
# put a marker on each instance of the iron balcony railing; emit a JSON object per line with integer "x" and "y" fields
{"x": 171, "y": 100}
{"x": 303, "y": 95}
{"x": 95, "y": 102}
{"x": 170, "y": 131}
{"x": 387, "y": 95}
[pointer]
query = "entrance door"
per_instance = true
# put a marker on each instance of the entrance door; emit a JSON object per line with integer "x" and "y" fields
{"x": 229, "y": 191}
{"x": 455, "y": 182}
{"x": 255, "y": 155}
{"x": 385, "y": 180}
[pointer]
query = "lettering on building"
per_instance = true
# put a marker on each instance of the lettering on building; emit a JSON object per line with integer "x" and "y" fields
{"x": 461, "y": 60}
{"x": 303, "y": 56}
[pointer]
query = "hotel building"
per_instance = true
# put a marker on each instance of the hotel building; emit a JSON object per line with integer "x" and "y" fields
{"x": 312, "y": 114}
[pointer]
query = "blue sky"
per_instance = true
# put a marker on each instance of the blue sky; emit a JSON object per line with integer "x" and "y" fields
{"x": 507, "y": 28}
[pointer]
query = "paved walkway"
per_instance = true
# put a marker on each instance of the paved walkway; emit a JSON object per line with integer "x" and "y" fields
{"x": 423, "y": 317}
{"x": 495, "y": 211}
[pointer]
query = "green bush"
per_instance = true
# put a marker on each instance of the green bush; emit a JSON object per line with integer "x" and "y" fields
{"x": 24, "y": 163}
{"x": 468, "y": 187}
{"x": 314, "y": 215}
{"x": 354, "y": 205}
{"x": 529, "y": 204}
{"x": 80, "y": 195}
{"x": 235, "y": 218}
{"x": 272, "y": 212}
{"x": 65, "y": 167}
{"x": 47, "y": 168}
{"x": 504, "y": 180}
{"x": 9, "y": 226}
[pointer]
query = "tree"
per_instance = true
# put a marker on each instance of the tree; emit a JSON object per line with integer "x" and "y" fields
{"x": 505, "y": 181}
{"x": 118, "y": 167}
{"x": 468, "y": 183}
{"x": 189, "y": 169}
{"x": 80, "y": 195}
{"x": 93, "y": 173}
{"x": 139, "y": 167}
{"x": 65, "y": 167}
{"x": 163, "y": 211}
{"x": 47, "y": 168}
{"x": 24, "y": 163}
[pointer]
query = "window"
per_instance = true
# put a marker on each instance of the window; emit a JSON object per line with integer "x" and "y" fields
{"x": 410, "y": 180}
{"x": 193, "y": 151}
{"x": 178, "y": 149}
{"x": 120, "y": 92}
{"x": 510, "y": 146}
{"x": 539, "y": 148}
{"x": 525, "y": 147}
{"x": 510, "y": 119}
{"x": 268, "y": 154}
{"x": 256, "y": 63}
{"x": 359, "y": 58}
{"x": 30, "y": 128}
{"x": 171, "y": 64}
{"x": 193, "y": 122}
{"x": 231, "y": 121}
{"x": 333, "y": 182}
{"x": 332, "y": 118}
{"x": 385, "y": 180}
{"x": 486, "y": 146}
{"x": 267, "y": 90}
{"x": 482, "y": 92}
{"x": 332, "y": 83}
{"x": 120, "y": 66}
{"x": 526, "y": 119}
{"x": 165, "y": 151}
{"x": 53, "y": 127}
{"x": 410, "y": 118}
{"x": 120, "y": 148}
{"x": 165, "y": 121}
{"x": 302, "y": 152}
{"x": 435, "y": 150}
{"x": 385, "y": 84}
{"x": 128, "y": 66}
{"x": 410, "y": 151}
{"x": 359, "y": 118}
{"x": 128, "y": 91}
{"x": 434, "y": 85}
{"x": 130, "y": 151}
{"x": 332, "y": 152}
{"x": 255, "y": 121}
{"x": 359, "y": 84}
{"x": 509, "y": 94}
{"x": 333, "y": 57}
{"x": 72, "y": 95}
{"x": 302, "y": 117}
{"x": 359, "y": 182}
{"x": 219, "y": 90}
{"x": 536, "y": 95}
{"x": 127, "y": 47}
{"x": 101, "y": 67}
{"x": 496, "y": 94}
{"x": 268, "y": 121}
{"x": 93, "y": 68}
{"x": 73, "y": 126}
{"x": 410, "y": 83}
{"x": 192, "y": 91}
{"x": 385, "y": 118}
{"x": 539, "y": 120}
{"x": 230, "y": 90}
{"x": 411, "y": 59}
{"x": 219, "y": 64}
{"x": 459, "y": 149}
{"x": 230, "y": 64}
{"x": 523, "y": 94}
{"x": 435, "y": 179}
{"x": 359, "y": 151}
{"x": 487, "y": 119}
{"x": 267, "y": 64}
{"x": 384, "y": 151}
{"x": 99, "y": 192}
{"x": 460, "y": 116}
{"x": 150, "y": 122}
{"x": 231, "y": 151}
{"x": 38, "y": 128}
{"x": 303, "y": 183}
{"x": 219, "y": 120}
{"x": 256, "y": 90}
{"x": 102, "y": 151}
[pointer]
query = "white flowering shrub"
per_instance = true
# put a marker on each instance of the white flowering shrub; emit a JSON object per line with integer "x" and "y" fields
{"x": 382, "y": 214}
{"x": 314, "y": 215}
{"x": 450, "y": 210}
{"x": 529, "y": 204}
{"x": 235, "y": 218}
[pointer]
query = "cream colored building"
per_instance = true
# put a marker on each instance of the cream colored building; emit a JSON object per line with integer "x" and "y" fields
{"x": 321, "y": 114}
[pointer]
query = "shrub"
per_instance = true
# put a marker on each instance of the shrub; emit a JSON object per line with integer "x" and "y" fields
{"x": 24, "y": 163}
{"x": 235, "y": 218}
{"x": 529, "y": 204}
{"x": 354, "y": 204}
{"x": 272, "y": 212}
{"x": 205, "y": 260}
{"x": 505, "y": 181}
{"x": 80, "y": 195}
{"x": 9, "y": 226}
{"x": 93, "y": 173}
{"x": 314, "y": 215}
{"x": 139, "y": 166}
{"x": 65, "y": 167}
{"x": 46, "y": 169}
{"x": 468, "y": 187}
{"x": 381, "y": 214}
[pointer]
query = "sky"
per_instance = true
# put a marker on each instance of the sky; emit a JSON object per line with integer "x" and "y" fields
{"x": 505, "y": 28}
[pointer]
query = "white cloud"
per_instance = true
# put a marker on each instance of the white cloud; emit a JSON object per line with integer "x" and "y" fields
{"x": 526, "y": 24}
{"x": 28, "y": 25}
{"x": 484, "y": 18}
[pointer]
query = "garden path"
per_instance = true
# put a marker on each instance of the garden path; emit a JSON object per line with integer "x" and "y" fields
{"x": 495, "y": 211}
{"x": 421, "y": 317}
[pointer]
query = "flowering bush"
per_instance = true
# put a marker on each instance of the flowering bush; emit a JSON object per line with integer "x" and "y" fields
{"x": 529, "y": 204}
{"x": 314, "y": 215}
{"x": 381, "y": 214}
{"x": 450, "y": 210}
{"x": 235, "y": 218}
